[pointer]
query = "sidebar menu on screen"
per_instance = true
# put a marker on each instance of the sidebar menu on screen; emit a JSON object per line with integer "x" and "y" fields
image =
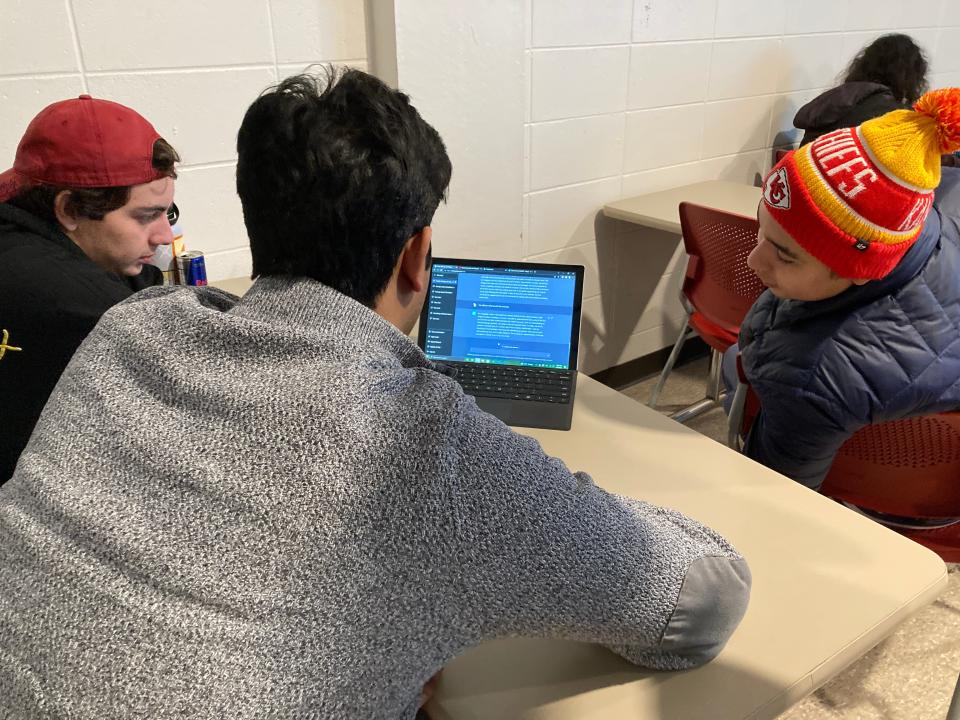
{"x": 440, "y": 313}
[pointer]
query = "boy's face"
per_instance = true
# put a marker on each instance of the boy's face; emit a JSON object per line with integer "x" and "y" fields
{"x": 125, "y": 240}
{"x": 787, "y": 269}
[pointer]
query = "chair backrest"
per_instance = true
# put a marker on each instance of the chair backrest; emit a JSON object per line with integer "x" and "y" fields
{"x": 908, "y": 467}
{"x": 718, "y": 282}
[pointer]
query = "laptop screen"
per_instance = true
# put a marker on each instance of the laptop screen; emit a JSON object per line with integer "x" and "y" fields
{"x": 503, "y": 313}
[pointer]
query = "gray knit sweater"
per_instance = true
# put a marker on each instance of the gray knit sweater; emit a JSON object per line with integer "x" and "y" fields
{"x": 278, "y": 508}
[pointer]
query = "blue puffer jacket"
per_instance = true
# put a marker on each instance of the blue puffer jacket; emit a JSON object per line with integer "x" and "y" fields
{"x": 880, "y": 351}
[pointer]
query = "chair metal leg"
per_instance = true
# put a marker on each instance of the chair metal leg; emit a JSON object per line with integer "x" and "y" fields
{"x": 661, "y": 381}
{"x": 714, "y": 380}
{"x": 714, "y": 394}
{"x": 691, "y": 411}
{"x": 735, "y": 418}
{"x": 954, "y": 712}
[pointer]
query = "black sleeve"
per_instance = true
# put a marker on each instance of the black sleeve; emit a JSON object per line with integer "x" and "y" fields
{"x": 46, "y": 321}
{"x": 149, "y": 277}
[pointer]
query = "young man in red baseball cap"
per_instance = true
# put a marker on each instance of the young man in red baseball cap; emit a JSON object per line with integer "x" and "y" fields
{"x": 859, "y": 245}
{"x": 81, "y": 212}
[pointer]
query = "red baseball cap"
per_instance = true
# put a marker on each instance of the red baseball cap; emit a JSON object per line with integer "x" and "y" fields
{"x": 83, "y": 143}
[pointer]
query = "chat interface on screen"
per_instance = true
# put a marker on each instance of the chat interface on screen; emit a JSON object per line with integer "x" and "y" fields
{"x": 503, "y": 316}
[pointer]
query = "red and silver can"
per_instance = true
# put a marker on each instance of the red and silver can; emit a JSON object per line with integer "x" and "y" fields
{"x": 193, "y": 270}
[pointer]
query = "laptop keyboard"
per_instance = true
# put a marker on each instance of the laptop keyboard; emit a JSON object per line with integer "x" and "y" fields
{"x": 515, "y": 382}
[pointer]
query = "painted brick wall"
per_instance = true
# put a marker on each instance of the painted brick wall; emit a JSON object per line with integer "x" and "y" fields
{"x": 632, "y": 96}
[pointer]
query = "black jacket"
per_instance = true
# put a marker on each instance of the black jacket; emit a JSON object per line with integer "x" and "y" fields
{"x": 51, "y": 296}
{"x": 844, "y": 106}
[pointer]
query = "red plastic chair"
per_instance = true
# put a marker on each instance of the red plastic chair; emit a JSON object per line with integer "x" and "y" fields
{"x": 718, "y": 290}
{"x": 905, "y": 474}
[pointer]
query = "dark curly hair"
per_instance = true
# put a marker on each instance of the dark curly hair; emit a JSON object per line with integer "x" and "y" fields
{"x": 91, "y": 203}
{"x": 893, "y": 60}
{"x": 335, "y": 174}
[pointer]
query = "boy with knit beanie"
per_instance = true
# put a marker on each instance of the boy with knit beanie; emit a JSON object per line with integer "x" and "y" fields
{"x": 859, "y": 245}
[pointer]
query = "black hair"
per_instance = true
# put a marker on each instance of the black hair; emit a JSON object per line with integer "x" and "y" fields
{"x": 91, "y": 203}
{"x": 335, "y": 174}
{"x": 893, "y": 60}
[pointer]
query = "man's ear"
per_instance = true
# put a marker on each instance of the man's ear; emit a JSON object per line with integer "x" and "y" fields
{"x": 414, "y": 266}
{"x": 67, "y": 221}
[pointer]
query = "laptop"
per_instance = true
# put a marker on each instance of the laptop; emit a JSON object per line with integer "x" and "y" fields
{"x": 511, "y": 331}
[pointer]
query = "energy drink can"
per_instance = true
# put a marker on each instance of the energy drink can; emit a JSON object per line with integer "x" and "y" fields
{"x": 193, "y": 270}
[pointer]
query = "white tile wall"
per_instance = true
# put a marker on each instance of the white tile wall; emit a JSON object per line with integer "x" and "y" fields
{"x": 921, "y": 13}
{"x": 575, "y": 82}
{"x": 594, "y": 344}
{"x": 664, "y": 136}
{"x": 950, "y": 15}
{"x": 739, "y": 18}
{"x": 815, "y": 16}
{"x": 123, "y": 35}
{"x": 873, "y": 14}
{"x": 559, "y": 218}
{"x": 668, "y": 74}
{"x": 746, "y": 167}
{"x": 810, "y": 61}
{"x": 527, "y": 84}
{"x": 735, "y": 126}
{"x": 655, "y": 20}
{"x": 946, "y": 57}
{"x": 784, "y": 110}
{"x": 711, "y": 86}
{"x": 651, "y": 181}
{"x": 35, "y": 37}
{"x": 210, "y": 209}
{"x": 571, "y": 151}
{"x": 191, "y": 68}
{"x": 305, "y": 31}
{"x": 575, "y": 22}
{"x": 744, "y": 67}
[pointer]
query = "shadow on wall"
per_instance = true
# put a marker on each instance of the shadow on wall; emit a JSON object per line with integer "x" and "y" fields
{"x": 595, "y": 329}
{"x": 638, "y": 290}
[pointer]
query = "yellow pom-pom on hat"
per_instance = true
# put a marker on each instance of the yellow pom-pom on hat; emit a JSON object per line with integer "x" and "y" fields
{"x": 909, "y": 143}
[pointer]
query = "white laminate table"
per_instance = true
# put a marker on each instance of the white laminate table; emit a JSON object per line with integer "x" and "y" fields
{"x": 828, "y": 585}
{"x": 237, "y": 286}
{"x": 660, "y": 209}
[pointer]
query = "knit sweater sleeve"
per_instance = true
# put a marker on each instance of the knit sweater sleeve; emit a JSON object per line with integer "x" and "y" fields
{"x": 547, "y": 553}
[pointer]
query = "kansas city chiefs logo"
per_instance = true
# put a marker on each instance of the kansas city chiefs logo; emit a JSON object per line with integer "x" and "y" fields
{"x": 776, "y": 190}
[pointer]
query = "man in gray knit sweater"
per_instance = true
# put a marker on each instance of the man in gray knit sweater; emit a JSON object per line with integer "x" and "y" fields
{"x": 277, "y": 507}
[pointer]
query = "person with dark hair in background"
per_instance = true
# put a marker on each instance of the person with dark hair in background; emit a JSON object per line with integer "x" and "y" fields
{"x": 278, "y": 505}
{"x": 81, "y": 212}
{"x": 888, "y": 74}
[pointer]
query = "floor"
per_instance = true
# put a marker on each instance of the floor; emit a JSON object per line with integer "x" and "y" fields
{"x": 910, "y": 675}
